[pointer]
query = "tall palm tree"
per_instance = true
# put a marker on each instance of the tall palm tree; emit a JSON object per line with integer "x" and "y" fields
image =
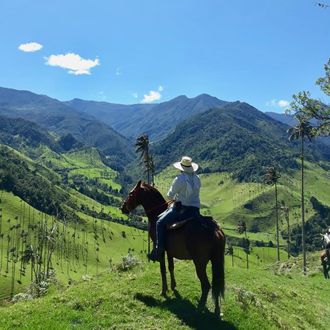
{"x": 241, "y": 228}
{"x": 142, "y": 147}
{"x": 151, "y": 167}
{"x": 302, "y": 131}
{"x": 271, "y": 177}
{"x": 285, "y": 210}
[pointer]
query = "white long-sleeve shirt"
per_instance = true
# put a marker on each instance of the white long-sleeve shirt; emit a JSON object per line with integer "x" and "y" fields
{"x": 185, "y": 188}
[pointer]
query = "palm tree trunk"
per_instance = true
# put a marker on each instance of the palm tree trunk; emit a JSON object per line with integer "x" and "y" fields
{"x": 277, "y": 229}
{"x": 303, "y": 206}
{"x": 247, "y": 254}
{"x": 289, "y": 234}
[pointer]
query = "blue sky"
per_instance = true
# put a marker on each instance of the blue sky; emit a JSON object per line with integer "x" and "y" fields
{"x": 132, "y": 51}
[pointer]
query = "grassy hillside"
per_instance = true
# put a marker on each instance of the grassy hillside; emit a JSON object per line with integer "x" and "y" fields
{"x": 86, "y": 162}
{"x": 236, "y": 138}
{"x": 97, "y": 241}
{"x": 61, "y": 119}
{"x": 275, "y": 297}
{"x": 230, "y": 201}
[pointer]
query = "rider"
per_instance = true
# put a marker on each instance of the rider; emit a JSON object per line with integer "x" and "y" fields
{"x": 326, "y": 240}
{"x": 185, "y": 193}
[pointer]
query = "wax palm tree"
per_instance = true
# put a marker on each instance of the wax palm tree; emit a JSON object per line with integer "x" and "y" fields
{"x": 302, "y": 131}
{"x": 142, "y": 147}
{"x": 271, "y": 177}
{"x": 241, "y": 228}
{"x": 285, "y": 210}
{"x": 150, "y": 166}
{"x": 230, "y": 252}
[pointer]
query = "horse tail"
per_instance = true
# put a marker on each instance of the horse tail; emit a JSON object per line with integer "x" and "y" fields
{"x": 218, "y": 266}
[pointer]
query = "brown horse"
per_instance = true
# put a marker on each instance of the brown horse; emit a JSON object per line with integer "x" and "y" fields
{"x": 200, "y": 241}
{"x": 325, "y": 255}
{"x": 325, "y": 261}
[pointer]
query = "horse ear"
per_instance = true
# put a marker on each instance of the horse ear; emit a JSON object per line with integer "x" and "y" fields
{"x": 139, "y": 183}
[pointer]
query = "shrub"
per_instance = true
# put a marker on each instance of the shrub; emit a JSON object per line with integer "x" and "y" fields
{"x": 128, "y": 262}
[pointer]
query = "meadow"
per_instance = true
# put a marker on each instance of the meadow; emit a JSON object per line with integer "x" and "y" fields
{"x": 272, "y": 296}
{"x": 94, "y": 255}
{"x": 86, "y": 248}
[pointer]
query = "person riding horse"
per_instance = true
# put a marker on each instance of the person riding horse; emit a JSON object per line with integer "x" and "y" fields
{"x": 325, "y": 255}
{"x": 185, "y": 193}
{"x": 326, "y": 240}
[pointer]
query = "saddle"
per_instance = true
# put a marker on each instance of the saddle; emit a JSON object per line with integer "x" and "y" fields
{"x": 206, "y": 222}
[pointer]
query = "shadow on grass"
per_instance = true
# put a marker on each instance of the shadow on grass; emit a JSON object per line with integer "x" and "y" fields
{"x": 187, "y": 312}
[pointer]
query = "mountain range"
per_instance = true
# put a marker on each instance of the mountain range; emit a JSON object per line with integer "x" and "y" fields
{"x": 223, "y": 136}
{"x": 236, "y": 138}
{"x": 156, "y": 120}
{"x": 60, "y": 119}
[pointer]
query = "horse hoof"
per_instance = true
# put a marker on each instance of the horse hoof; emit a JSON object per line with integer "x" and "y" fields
{"x": 201, "y": 308}
{"x": 163, "y": 294}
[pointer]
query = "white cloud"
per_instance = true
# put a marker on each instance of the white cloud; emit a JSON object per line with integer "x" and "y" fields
{"x": 30, "y": 47}
{"x": 278, "y": 103}
{"x": 153, "y": 96}
{"x": 283, "y": 103}
{"x": 73, "y": 62}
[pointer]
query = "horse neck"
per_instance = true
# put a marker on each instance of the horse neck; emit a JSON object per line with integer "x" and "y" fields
{"x": 153, "y": 204}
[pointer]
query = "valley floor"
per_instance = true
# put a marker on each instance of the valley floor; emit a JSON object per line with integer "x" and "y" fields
{"x": 259, "y": 298}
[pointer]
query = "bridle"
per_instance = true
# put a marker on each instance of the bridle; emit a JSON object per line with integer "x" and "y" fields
{"x": 133, "y": 196}
{"x": 167, "y": 203}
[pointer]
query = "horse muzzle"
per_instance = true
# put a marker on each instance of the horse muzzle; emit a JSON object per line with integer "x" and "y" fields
{"x": 124, "y": 209}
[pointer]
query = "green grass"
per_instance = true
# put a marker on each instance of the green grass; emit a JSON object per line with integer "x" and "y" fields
{"x": 112, "y": 245}
{"x": 86, "y": 162}
{"x": 258, "y": 298}
{"x": 229, "y": 201}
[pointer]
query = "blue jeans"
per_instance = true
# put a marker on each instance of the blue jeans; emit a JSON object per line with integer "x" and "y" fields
{"x": 170, "y": 216}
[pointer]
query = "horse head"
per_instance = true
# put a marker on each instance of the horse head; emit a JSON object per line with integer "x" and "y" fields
{"x": 132, "y": 200}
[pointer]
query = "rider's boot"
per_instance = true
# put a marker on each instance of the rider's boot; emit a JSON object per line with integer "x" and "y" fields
{"x": 156, "y": 254}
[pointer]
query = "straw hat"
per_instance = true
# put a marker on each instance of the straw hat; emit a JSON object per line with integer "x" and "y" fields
{"x": 186, "y": 165}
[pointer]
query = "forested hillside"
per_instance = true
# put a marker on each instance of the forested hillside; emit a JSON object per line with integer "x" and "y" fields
{"x": 236, "y": 138}
{"x": 59, "y": 118}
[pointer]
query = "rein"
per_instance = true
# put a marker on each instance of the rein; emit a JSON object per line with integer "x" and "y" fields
{"x": 159, "y": 205}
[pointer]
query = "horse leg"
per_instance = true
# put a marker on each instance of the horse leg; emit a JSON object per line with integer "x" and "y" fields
{"x": 205, "y": 284}
{"x": 324, "y": 265}
{"x": 163, "y": 275}
{"x": 171, "y": 269}
{"x": 327, "y": 268}
{"x": 218, "y": 281}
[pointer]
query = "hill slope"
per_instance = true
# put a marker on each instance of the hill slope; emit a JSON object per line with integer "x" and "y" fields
{"x": 157, "y": 120}
{"x": 255, "y": 299}
{"x": 236, "y": 138}
{"x": 61, "y": 119}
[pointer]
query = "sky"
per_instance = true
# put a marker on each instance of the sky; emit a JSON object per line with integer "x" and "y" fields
{"x": 142, "y": 51}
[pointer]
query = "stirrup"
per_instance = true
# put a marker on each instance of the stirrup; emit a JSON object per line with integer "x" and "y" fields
{"x": 155, "y": 255}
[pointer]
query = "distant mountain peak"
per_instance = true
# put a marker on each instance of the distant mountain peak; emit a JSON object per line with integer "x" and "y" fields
{"x": 205, "y": 96}
{"x": 180, "y": 97}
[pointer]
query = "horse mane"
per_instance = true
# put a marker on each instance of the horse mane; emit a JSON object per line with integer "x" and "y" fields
{"x": 153, "y": 190}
